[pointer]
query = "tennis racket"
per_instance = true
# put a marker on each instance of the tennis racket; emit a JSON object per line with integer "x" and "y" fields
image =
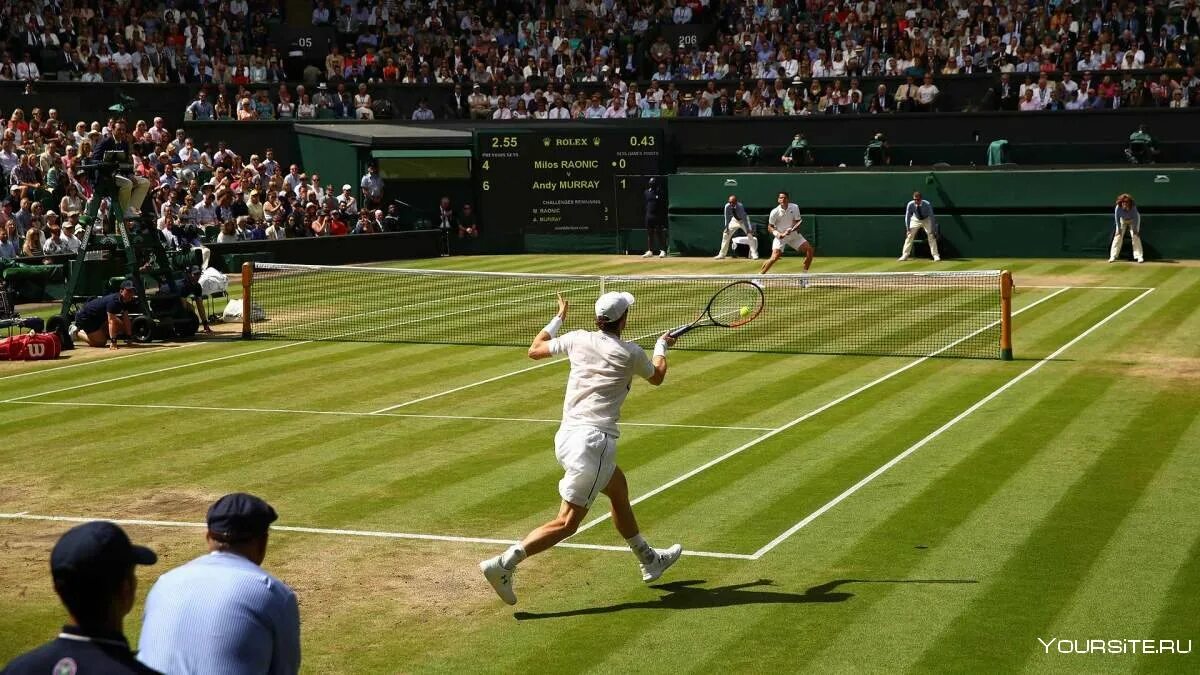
{"x": 734, "y": 305}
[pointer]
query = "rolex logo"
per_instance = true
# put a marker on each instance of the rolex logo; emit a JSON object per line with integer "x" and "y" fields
{"x": 546, "y": 142}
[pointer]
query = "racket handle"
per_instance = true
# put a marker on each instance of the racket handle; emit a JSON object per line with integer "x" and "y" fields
{"x": 676, "y": 332}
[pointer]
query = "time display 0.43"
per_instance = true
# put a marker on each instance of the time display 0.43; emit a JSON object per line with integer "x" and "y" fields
{"x": 556, "y": 180}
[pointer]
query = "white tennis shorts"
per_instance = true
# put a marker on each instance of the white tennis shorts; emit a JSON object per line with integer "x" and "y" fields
{"x": 588, "y": 457}
{"x": 795, "y": 240}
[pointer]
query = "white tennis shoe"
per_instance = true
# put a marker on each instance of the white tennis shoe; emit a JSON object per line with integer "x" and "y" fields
{"x": 500, "y": 578}
{"x": 662, "y": 253}
{"x": 663, "y": 558}
{"x": 648, "y": 254}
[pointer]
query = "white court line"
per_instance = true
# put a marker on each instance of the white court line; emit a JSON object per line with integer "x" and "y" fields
{"x": 466, "y": 386}
{"x": 481, "y": 382}
{"x": 139, "y": 352}
{"x": 351, "y": 413}
{"x": 816, "y": 411}
{"x": 940, "y": 430}
{"x": 1095, "y": 288}
{"x": 24, "y": 515}
{"x": 153, "y": 372}
{"x": 248, "y": 353}
{"x": 415, "y": 304}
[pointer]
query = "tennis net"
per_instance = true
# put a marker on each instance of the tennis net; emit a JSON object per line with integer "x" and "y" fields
{"x": 903, "y": 314}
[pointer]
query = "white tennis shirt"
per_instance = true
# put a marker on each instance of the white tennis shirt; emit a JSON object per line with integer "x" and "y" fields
{"x": 781, "y": 219}
{"x": 602, "y": 370}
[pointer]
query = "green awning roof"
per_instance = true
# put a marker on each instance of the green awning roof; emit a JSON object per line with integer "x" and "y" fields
{"x": 384, "y": 154}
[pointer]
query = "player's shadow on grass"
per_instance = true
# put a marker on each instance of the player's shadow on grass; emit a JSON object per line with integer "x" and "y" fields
{"x": 690, "y": 595}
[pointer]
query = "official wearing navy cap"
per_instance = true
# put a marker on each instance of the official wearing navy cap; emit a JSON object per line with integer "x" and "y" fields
{"x": 249, "y": 618}
{"x": 239, "y": 517}
{"x": 93, "y": 569}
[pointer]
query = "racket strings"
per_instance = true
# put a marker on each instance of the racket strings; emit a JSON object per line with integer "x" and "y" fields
{"x": 726, "y": 308}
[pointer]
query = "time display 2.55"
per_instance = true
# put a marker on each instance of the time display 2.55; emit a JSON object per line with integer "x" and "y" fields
{"x": 550, "y": 180}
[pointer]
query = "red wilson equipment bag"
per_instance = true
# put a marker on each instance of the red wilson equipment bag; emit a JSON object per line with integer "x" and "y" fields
{"x": 30, "y": 347}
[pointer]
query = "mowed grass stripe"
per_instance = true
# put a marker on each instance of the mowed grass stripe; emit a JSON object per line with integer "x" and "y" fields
{"x": 328, "y": 376}
{"x": 1040, "y": 577}
{"x": 930, "y": 503}
{"x": 1126, "y": 591}
{"x": 1179, "y": 619}
{"x": 734, "y": 638}
{"x": 754, "y": 496}
{"x": 843, "y": 448}
{"x": 172, "y": 361}
{"x": 966, "y": 500}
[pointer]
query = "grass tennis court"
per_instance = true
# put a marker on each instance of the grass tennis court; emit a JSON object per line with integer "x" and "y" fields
{"x": 842, "y": 512}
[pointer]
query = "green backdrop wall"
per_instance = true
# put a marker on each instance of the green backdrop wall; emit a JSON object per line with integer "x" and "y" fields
{"x": 981, "y": 213}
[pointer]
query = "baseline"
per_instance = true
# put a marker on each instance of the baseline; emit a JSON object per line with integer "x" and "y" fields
{"x": 24, "y": 515}
{"x": 352, "y": 413}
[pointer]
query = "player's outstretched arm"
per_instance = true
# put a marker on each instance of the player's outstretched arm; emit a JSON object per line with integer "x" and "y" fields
{"x": 659, "y": 360}
{"x": 540, "y": 348}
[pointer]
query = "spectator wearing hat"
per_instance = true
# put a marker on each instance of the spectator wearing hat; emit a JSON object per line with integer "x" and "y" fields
{"x": 94, "y": 570}
{"x": 346, "y": 201}
{"x": 54, "y": 244}
{"x": 249, "y": 619}
{"x": 106, "y": 318}
{"x": 69, "y": 238}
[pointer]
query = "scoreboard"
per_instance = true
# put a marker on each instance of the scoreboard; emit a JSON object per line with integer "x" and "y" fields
{"x": 566, "y": 180}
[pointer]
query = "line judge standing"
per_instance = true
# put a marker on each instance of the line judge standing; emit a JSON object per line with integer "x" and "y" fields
{"x": 222, "y": 612}
{"x": 735, "y": 220}
{"x": 1126, "y": 219}
{"x": 918, "y": 214}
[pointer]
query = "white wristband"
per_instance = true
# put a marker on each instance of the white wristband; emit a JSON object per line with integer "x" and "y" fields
{"x": 553, "y": 326}
{"x": 660, "y": 349}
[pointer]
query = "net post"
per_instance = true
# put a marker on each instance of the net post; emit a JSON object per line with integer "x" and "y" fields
{"x": 247, "y": 282}
{"x": 1006, "y": 286}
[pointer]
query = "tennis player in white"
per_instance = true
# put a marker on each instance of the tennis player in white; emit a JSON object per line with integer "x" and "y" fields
{"x": 784, "y": 226}
{"x": 602, "y": 370}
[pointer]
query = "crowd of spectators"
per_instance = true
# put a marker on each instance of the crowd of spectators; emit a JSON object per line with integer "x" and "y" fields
{"x": 530, "y": 58}
{"x": 199, "y": 193}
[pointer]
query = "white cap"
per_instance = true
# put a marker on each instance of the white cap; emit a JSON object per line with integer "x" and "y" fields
{"x": 613, "y": 305}
{"x": 346, "y": 186}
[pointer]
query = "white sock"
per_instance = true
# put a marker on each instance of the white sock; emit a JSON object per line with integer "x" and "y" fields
{"x": 643, "y": 551}
{"x": 510, "y": 558}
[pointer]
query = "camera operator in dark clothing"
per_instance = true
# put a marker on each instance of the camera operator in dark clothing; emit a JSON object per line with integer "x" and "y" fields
{"x": 656, "y": 219}
{"x": 190, "y": 290}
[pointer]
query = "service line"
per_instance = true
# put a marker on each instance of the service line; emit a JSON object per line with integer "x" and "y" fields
{"x": 942, "y": 429}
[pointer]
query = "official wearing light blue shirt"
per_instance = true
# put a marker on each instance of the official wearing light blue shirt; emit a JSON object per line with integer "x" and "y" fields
{"x": 222, "y": 613}
{"x": 918, "y": 215}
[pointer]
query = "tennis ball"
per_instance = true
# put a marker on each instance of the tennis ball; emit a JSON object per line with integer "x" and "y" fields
{"x": 744, "y": 311}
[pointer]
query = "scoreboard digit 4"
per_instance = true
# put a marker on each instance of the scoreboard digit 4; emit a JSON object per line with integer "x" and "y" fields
{"x": 560, "y": 181}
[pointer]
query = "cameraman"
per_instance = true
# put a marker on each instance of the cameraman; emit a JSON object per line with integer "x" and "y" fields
{"x": 191, "y": 290}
